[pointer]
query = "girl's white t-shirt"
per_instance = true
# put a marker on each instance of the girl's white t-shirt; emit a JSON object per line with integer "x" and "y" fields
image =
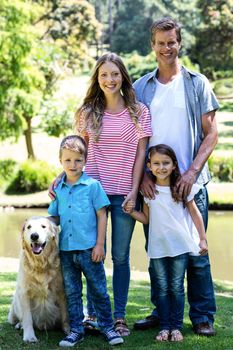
{"x": 171, "y": 229}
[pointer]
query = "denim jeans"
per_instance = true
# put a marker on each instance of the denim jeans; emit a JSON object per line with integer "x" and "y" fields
{"x": 169, "y": 275}
{"x": 73, "y": 264}
{"x": 122, "y": 230}
{"x": 200, "y": 285}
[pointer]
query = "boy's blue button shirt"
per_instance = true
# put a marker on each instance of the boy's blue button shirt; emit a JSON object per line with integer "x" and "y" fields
{"x": 76, "y": 205}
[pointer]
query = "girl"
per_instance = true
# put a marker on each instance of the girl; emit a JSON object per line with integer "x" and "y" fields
{"x": 176, "y": 230}
{"x": 116, "y": 128}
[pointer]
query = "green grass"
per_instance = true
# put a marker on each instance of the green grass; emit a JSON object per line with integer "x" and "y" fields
{"x": 138, "y": 307}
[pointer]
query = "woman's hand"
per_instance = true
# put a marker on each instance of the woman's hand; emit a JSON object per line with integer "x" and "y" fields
{"x": 132, "y": 197}
{"x": 54, "y": 185}
{"x": 129, "y": 206}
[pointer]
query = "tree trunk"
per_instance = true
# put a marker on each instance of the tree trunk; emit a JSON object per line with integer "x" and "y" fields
{"x": 28, "y": 137}
{"x": 110, "y": 21}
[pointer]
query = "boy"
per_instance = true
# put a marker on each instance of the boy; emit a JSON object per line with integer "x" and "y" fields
{"x": 80, "y": 207}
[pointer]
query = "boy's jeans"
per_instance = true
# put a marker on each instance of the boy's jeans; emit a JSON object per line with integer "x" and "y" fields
{"x": 169, "y": 275}
{"x": 73, "y": 263}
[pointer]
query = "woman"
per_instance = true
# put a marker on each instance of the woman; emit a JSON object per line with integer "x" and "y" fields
{"x": 116, "y": 128}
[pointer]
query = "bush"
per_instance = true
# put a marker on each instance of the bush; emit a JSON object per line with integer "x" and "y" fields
{"x": 7, "y": 169}
{"x": 138, "y": 65}
{"x": 32, "y": 176}
{"x": 221, "y": 169}
{"x": 224, "y": 87}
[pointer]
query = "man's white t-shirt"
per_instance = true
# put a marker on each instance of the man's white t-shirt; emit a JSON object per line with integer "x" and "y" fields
{"x": 171, "y": 229}
{"x": 170, "y": 122}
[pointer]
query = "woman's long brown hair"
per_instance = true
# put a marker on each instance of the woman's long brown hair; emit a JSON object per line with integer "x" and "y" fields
{"x": 94, "y": 103}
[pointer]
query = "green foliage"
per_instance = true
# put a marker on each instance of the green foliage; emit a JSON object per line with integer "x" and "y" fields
{"x": 7, "y": 169}
{"x": 58, "y": 118}
{"x": 224, "y": 87}
{"x": 186, "y": 61}
{"x": 37, "y": 39}
{"x": 222, "y": 74}
{"x": 221, "y": 169}
{"x": 32, "y": 176}
{"x": 72, "y": 26}
{"x": 138, "y": 65}
{"x": 131, "y": 30}
{"x": 214, "y": 49}
{"x": 16, "y": 41}
{"x": 226, "y": 106}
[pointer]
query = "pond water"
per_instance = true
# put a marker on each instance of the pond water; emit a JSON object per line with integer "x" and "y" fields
{"x": 220, "y": 240}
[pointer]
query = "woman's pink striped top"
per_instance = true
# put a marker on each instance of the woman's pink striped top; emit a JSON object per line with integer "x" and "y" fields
{"x": 111, "y": 159}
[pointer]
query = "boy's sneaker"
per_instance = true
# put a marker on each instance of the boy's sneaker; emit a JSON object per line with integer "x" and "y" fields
{"x": 113, "y": 337}
{"x": 72, "y": 339}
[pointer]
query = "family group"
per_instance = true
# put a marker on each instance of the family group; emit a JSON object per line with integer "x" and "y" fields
{"x": 144, "y": 148}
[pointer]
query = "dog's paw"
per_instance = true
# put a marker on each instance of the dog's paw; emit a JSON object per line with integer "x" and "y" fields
{"x": 30, "y": 338}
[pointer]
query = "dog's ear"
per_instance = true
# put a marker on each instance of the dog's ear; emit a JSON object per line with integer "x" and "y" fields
{"x": 23, "y": 227}
{"x": 54, "y": 228}
{"x": 22, "y": 234}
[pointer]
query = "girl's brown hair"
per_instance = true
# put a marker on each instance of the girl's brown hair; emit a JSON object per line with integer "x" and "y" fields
{"x": 175, "y": 175}
{"x": 94, "y": 103}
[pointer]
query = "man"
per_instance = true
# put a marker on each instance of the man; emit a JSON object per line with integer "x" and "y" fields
{"x": 182, "y": 107}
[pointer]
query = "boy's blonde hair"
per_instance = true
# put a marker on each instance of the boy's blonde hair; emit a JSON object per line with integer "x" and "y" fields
{"x": 73, "y": 143}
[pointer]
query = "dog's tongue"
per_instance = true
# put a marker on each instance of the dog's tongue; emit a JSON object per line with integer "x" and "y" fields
{"x": 37, "y": 249}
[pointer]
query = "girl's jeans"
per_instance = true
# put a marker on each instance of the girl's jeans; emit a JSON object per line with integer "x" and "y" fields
{"x": 169, "y": 275}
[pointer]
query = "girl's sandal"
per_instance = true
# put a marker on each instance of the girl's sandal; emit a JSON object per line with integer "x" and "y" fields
{"x": 163, "y": 335}
{"x": 176, "y": 335}
{"x": 121, "y": 327}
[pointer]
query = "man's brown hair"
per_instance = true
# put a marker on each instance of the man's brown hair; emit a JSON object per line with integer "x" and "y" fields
{"x": 164, "y": 24}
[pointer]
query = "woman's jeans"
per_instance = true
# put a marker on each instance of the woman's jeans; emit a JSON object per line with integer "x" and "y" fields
{"x": 169, "y": 275}
{"x": 122, "y": 230}
{"x": 73, "y": 264}
{"x": 200, "y": 285}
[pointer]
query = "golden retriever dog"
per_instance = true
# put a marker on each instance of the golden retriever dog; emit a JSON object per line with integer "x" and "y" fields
{"x": 39, "y": 299}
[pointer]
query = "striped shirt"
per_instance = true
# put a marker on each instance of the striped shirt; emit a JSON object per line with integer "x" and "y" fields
{"x": 111, "y": 159}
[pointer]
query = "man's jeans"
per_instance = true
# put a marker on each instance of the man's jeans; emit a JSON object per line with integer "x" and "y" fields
{"x": 122, "y": 230}
{"x": 73, "y": 263}
{"x": 169, "y": 275}
{"x": 200, "y": 285}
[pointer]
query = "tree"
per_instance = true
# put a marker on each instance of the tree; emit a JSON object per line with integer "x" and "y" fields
{"x": 29, "y": 53}
{"x": 131, "y": 22}
{"x": 73, "y": 27}
{"x": 213, "y": 49}
{"x": 131, "y": 28}
{"x": 21, "y": 81}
